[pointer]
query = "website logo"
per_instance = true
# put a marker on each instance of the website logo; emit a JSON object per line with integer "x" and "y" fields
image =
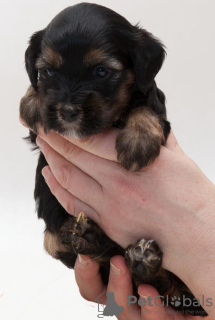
{"x": 111, "y": 308}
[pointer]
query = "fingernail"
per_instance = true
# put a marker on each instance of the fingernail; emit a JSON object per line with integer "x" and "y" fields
{"x": 46, "y": 172}
{"x": 39, "y": 142}
{"x": 143, "y": 297}
{"x": 82, "y": 261}
{"x": 114, "y": 270}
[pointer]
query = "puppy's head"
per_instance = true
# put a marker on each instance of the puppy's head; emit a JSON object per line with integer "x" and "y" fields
{"x": 85, "y": 66}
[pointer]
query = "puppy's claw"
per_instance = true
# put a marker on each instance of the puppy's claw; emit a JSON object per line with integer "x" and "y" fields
{"x": 81, "y": 218}
{"x": 81, "y": 224}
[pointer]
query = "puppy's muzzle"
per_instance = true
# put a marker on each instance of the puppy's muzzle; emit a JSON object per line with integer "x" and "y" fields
{"x": 69, "y": 113}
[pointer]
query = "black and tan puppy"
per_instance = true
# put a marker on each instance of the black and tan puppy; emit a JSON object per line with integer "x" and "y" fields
{"x": 90, "y": 69}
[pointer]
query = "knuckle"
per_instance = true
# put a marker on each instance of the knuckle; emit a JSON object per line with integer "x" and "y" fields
{"x": 69, "y": 205}
{"x": 84, "y": 295}
{"x": 53, "y": 188}
{"x": 47, "y": 151}
{"x": 88, "y": 142}
{"x": 64, "y": 176}
{"x": 67, "y": 148}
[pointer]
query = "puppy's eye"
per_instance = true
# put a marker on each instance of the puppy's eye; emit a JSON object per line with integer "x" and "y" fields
{"x": 100, "y": 72}
{"x": 50, "y": 72}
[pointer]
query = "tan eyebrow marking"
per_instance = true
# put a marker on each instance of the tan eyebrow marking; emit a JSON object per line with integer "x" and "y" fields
{"x": 49, "y": 57}
{"x": 96, "y": 56}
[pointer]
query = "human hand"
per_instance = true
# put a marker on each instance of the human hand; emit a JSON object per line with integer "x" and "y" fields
{"x": 172, "y": 201}
{"x": 88, "y": 182}
{"x": 172, "y": 191}
{"x": 120, "y": 283}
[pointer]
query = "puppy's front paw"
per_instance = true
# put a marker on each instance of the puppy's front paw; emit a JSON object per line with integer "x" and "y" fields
{"x": 137, "y": 149}
{"x": 144, "y": 259}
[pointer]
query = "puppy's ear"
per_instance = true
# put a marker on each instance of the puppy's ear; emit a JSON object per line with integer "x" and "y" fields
{"x": 31, "y": 55}
{"x": 147, "y": 55}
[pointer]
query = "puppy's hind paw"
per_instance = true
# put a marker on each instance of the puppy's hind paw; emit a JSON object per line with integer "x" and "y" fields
{"x": 144, "y": 259}
{"x": 81, "y": 224}
{"x": 86, "y": 236}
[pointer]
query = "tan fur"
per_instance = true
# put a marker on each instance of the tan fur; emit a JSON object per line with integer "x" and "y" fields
{"x": 49, "y": 57}
{"x": 124, "y": 93}
{"x": 30, "y": 105}
{"x": 142, "y": 137}
{"x": 138, "y": 255}
{"x": 31, "y": 98}
{"x": 144, "y": 119}
{"x": 52, "y": 244}
{"x": 97, "y": 56}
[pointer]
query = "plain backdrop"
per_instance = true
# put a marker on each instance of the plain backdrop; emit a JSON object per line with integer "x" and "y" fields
{"x": 32, "y": 284}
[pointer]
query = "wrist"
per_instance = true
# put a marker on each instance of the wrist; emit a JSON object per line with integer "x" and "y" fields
{"x": 191, "y": 255}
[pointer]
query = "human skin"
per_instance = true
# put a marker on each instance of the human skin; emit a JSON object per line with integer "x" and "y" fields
{"x": 90, "y": 285}
{"x": 172, "y": 201}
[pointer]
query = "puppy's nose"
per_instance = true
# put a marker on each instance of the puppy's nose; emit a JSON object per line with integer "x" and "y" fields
{"x": 69, "y": 113}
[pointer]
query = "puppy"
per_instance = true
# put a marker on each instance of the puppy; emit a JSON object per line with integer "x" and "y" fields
{"x": 90, "y": 69}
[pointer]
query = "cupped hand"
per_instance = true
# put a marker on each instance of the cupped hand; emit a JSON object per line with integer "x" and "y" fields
{"x": 154, "y": 203}
{"x": 95, "y": 183}
{"x": 170, "y": 201}
{"x": 91, "y": 287}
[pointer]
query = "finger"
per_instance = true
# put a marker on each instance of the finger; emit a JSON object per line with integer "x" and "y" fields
{"x": 71, "y": 178}
{"x": 87, "y": 162}
{"x": 89, "y": 279}
{"x": 101, "y": 145}
{"x": 172, "y": 144}
{"x": 151, "y": 305}
{"x": 120, "y": 283}
{"x": 70, "y": 203}
{"x": 189, "y": 317}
